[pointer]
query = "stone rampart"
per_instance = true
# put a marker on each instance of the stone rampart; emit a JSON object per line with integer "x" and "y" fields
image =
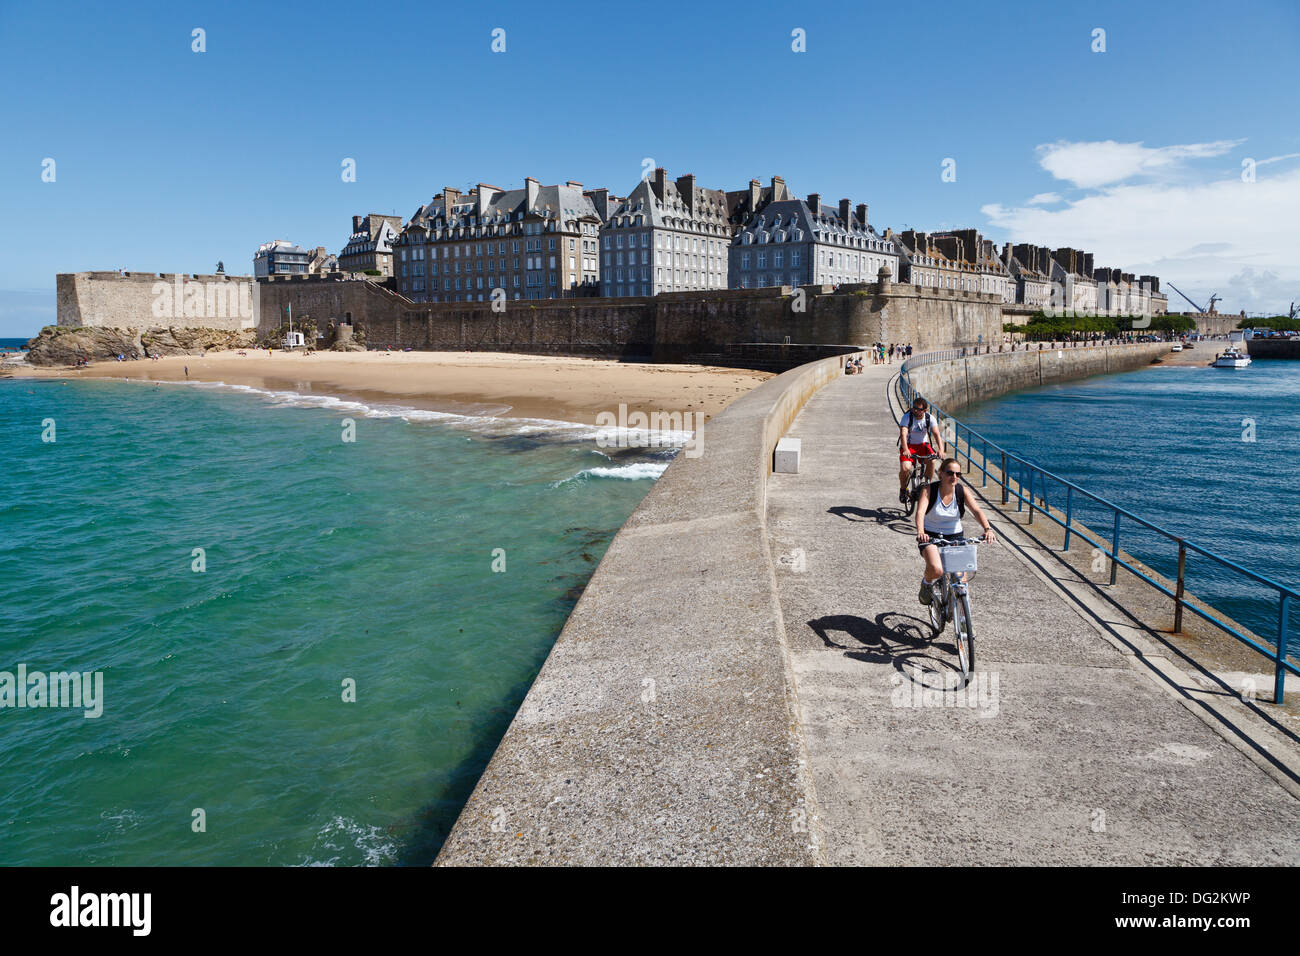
{"x": 662, "y": 728}
{"x": 148, "y": 300}
{"x": 976, "y": 378}
{"x": 668, "y": 327}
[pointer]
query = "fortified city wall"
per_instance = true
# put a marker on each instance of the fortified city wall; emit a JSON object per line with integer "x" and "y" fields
{"x": 153, "y": 300}
{"x": 963, "y": 381}
{"x": 667, "y": 327}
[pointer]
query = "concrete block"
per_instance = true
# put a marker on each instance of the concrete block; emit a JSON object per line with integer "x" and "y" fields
{"x": 787, "y": 454}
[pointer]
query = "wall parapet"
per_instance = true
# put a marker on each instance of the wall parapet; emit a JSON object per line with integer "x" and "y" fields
{"x": 662, "y": 729}
{"x": 975, "y": 378}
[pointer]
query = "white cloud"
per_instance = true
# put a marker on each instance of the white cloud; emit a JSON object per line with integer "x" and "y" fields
{"x": 1044, "y": 199}
{"x": 1089, "y": 165}
{"x": 1277, "y": 159}
{"x": 1239, "y": 239}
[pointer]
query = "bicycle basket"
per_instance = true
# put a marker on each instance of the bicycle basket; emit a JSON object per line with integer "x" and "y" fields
{"x": 959, "y": 559}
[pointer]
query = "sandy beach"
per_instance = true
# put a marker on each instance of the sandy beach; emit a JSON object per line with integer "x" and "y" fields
{"x": 479, "y": 383}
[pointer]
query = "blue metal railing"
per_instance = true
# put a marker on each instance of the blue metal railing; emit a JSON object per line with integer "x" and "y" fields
{"x": 1022, "y": 478}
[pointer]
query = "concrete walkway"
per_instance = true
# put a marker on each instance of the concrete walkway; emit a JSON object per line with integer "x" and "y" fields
{"x": 1065, "y": 749}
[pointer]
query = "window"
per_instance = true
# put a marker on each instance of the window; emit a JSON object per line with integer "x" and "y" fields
{"x": 744, "y": 260}
{"x": 777, "y": 256}
{"x": 762, "y": 261}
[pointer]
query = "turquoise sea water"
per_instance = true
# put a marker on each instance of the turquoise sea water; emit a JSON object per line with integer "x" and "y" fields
{"x": 1170, "y": 444}
{"x": 324, "y": 561}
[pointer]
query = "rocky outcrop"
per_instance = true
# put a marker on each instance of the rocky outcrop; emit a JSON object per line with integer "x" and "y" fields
{"x": 195, "y": 341}
{"x": 63, "y": 345}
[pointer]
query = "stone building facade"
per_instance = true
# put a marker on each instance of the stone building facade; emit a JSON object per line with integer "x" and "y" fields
{"x": 370, "y": 246}
{"x": 280, "y": 258}
{"x": 1031, "y": 271}
{"x": 960, "y": 259}
{"x": 792, "y": 242}
{"x": 322, "y": 262}
{"x": 1123, "y": 293}
{"x": 538, "y": 242}
{"x": 666, "y": 236}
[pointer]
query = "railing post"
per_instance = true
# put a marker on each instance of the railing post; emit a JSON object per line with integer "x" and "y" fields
{"x": 1069, "y": 509}
{"x": 984, "y": 463}
{"x": 1020, "y": 488}
{"x": 1279, "y": 677}
{"x": 1114, "y": 550}
{"x": 1178, "y": 596}
{"x": 1031, "y": 494}
{"x": 1004, "y": 477}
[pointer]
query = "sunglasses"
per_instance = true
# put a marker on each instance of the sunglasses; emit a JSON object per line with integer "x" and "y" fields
{"x": 953, "y": 474}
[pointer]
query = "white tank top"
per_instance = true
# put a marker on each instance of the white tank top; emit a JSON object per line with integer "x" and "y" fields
{"x": 944, "y": 519}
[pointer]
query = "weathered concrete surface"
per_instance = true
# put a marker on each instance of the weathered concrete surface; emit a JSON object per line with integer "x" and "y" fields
{"x": 958, "y": 382}
{"x": 1077, "y": 752}
{"x": 661, "y": 728}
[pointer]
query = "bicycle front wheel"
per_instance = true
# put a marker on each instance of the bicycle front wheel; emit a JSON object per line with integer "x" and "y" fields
{"x": 964, "y": 634}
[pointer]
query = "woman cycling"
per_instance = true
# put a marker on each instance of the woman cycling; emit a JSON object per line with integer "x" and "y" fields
{"x": 939, "y": 512}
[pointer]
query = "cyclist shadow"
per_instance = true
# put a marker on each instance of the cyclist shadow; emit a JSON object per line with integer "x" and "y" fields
{"x": 900, "y": 640}
{"x": 893, "y": 518}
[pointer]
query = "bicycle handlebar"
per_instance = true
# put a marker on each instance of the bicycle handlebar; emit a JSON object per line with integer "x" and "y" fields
{"x": 948, "y": 543}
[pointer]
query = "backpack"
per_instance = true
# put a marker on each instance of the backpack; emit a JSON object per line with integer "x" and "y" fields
{"x": 961, "y": 499}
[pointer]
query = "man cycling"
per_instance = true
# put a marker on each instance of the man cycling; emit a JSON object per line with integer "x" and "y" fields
{"x": 938, "y": 515}
{"x": 915, "y": 430}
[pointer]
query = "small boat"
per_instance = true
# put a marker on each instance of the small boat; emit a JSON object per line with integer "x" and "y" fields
{"x": 1176, "y": 347}
{"x": 1231, "y": 357}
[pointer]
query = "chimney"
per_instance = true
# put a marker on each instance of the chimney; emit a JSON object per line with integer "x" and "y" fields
{"x": 573, "y": 183}
{"x": 356, "y": 223}
{"x": 862, "y": 215}
{"x": 778, "y": 189}
{"x": 815, "y": 203}
{"x": 755, "y": 195}
{"x": 533, "y": 187}
{"x": 845, "y": 206}
{"x": 600, "y": 199}
{"x": 450, "y": 197}
{"x": 659, "y": 182}
{"x": 686, "y": 188}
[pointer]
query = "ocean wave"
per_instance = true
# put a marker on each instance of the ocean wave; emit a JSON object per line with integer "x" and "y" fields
{"x": 633, "y": 472}
{"x": 342, "y": 836}
{"x": 491, "y": 423}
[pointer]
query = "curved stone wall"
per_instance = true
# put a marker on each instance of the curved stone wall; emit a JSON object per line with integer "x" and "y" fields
{"x": 963, "y": 381}
{"x": 661, "y": 728}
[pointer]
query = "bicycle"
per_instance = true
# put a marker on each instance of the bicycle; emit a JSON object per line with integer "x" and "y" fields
{"x": 916, "y": 481}
{"x": 950, "y": 598}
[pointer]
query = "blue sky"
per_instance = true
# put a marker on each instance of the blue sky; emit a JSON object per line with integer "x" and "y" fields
{"x": 168, "y": 160}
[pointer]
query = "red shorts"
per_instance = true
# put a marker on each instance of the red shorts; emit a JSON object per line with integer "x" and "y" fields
{"x": 925, "y": 449}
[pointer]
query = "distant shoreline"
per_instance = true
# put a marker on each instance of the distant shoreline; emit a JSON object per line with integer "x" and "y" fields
{"x": 493, "y": 384}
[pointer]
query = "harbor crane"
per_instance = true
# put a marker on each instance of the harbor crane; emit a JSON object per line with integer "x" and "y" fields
{"x": 1213, "y": 299}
